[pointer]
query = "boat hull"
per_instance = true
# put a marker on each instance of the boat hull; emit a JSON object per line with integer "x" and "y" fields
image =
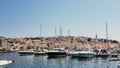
{"x": 25, "y": 53}
{"x": 114, "y": 55}
{"x": 102, "y": 55}
{"x": 52, "y": 54}
{"x": 40, "y": 53}
{"x": 74, "y": 54}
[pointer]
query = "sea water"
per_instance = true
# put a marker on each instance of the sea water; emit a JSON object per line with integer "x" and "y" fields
{"x": 32, "y": 61}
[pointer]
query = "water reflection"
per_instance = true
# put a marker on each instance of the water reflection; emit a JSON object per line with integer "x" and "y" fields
{"x": 55, "y": 57}
{"x": 85, "y": 59}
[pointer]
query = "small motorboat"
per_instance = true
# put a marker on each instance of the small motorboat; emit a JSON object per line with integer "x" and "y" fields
{"x": 86, "y": 54}
{"x": 5, "y": 63}
{"x": 119, "y": 65}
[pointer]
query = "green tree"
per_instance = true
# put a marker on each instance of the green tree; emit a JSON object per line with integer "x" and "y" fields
{"x": 21, "y": 48}
{"x": 37, "y": 48}
{"x": 89, "y": 39}
{"x": 30, "y": 47}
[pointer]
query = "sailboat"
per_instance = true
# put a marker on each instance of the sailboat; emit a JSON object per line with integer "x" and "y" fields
{"x": 40, "y": 52}
{"x": 58, "y": 51}
{"x": 103, "y": 52}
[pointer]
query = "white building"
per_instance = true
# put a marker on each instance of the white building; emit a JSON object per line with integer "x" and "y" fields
{"x": 6, "y": 45}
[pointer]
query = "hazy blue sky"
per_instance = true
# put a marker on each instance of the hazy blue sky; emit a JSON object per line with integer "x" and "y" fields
{"x": 22, "y": 18}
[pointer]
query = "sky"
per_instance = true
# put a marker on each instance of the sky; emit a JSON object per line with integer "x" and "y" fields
{"x": 23, "y": 18}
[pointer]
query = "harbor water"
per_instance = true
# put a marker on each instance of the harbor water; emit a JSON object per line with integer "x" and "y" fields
{"x": 31, "y": 61}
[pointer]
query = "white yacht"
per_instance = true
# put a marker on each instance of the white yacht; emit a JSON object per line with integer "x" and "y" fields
{"x": 82, "y": 54}
{"x": 113, "y": 54}
{"x": 103, "y": 53}
{"x": 26, "y": 52}
{"x": 86, "y": 54}
{"x": 5, "y": 63}
{"x": 56, "y": 52}
{"x": 74, "y": 53}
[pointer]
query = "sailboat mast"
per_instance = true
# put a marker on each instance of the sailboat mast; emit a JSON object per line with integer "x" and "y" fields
{"x": 40, "y": 30}
{"x": 106, "y": 31}
{"x": 68, "y": 32}
{"x": 107, "y": 36}
{"x": 68, "y": 35}
{"x": 61, "y": 31}
{"x": 55, "y": 32}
